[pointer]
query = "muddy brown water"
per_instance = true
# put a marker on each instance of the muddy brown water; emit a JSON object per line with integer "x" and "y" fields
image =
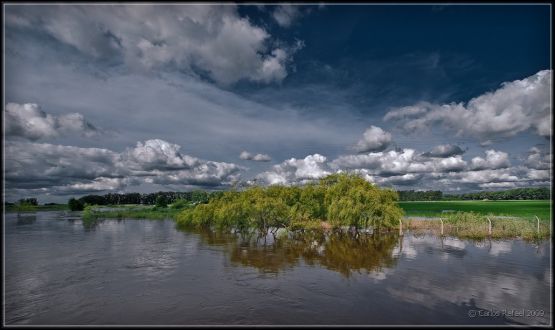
{"x": 132, "y": 272}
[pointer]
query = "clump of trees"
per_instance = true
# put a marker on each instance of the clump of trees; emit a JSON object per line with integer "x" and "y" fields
{"x": 75, "y": 204}
{"x": 161, "y": 201}
{"x": 338, "y": 199}
{"x": 28, "y": 201}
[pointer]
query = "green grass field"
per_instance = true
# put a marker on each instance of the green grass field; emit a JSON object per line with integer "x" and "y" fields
{"x": 523, "y": 209}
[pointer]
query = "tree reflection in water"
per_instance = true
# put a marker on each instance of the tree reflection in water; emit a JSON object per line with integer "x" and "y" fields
{"x": 342, "y": 252}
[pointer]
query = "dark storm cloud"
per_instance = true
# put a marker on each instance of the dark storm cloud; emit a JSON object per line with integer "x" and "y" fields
{"x": 31, "y": 163}
{"x": 66, "y": 168}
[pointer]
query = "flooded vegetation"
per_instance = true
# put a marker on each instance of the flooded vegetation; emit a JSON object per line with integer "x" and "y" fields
{"x": 61, "y": 271}
{"x": 477, "y": 226}
{"x": 337, "y": 200}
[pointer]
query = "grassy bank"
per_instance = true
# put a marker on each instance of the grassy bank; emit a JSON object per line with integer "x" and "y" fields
{"x": 521, "y": 209}
{"x": 36, "y": 208}
{"x": 91, "y": 213}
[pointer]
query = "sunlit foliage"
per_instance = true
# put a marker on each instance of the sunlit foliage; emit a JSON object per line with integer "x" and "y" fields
{"x": 337, "y": 200}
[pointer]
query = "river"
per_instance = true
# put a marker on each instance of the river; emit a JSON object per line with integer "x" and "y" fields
{"x": 133, "y": 272}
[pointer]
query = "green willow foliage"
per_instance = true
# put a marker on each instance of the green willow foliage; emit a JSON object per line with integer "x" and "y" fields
{"x": 338, "y": 199}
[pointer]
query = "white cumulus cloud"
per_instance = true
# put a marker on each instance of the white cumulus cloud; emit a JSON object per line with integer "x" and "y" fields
{"x": 515, "y": 107}
{"x": 28, "y": 121}
{"x": 373, "y": 139}
{"x": 200, "y": 39}
{"x": 538, "y": 159}
{"x": 494, "y": 160}
{"x": 294, "y": 170}
{"x": 157, "y": 154}
{"x": 398, "y": 166}
{"x": 245, "y": 155}
{"x": 285, "y": 15}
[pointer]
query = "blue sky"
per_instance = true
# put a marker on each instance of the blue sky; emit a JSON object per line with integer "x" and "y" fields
{"x": 104, "y": 98}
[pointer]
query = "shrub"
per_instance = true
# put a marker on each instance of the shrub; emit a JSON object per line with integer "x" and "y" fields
{"x": 180, "y": 204}
{"x": 161, "y": 201}
{"x": 75, "y": 205}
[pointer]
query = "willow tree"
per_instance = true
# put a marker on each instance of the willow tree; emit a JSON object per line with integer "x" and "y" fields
{"x": 267, "y": 212}
{"x": 309, "y": 205}
{"x": 352, "y": 201}
{"x": 341, "y": 199}
{"x": 231, "y": 211}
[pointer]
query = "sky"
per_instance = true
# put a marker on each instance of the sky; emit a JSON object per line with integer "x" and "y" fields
{"x": 144, "y": 98}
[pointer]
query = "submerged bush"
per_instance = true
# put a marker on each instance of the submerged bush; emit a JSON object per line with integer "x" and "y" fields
{"x": 89, "y": 213}
{"x": 338, "y": 199}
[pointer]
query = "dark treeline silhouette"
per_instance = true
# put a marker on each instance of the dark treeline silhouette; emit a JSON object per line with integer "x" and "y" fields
{"x": 23, "y": 201}
{"x": 512, "y": 194}
{"x": 157, "y": 198}
{"x": 411, "y": 195}
{"x": 29, "y": 201}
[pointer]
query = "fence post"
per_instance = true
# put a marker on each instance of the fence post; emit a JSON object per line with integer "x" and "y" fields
{"x": 489, "y": 228}
{"x": 441, "y": 226}
{"x": 400, "y": 227}
{"x": 538, "y": 221}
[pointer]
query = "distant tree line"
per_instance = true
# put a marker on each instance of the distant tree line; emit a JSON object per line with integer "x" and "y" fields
{"x": 161, "y": 198}
{"x": 411, "y": 195}
{"x": 28, "y": 201}
{"x": 519, "y": 193}
{"x": 512, "y": 194}
{"x": 23, "y": 202}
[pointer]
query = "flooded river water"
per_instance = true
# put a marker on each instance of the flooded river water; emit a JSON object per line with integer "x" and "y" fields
{"x": 129, "y": 272}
